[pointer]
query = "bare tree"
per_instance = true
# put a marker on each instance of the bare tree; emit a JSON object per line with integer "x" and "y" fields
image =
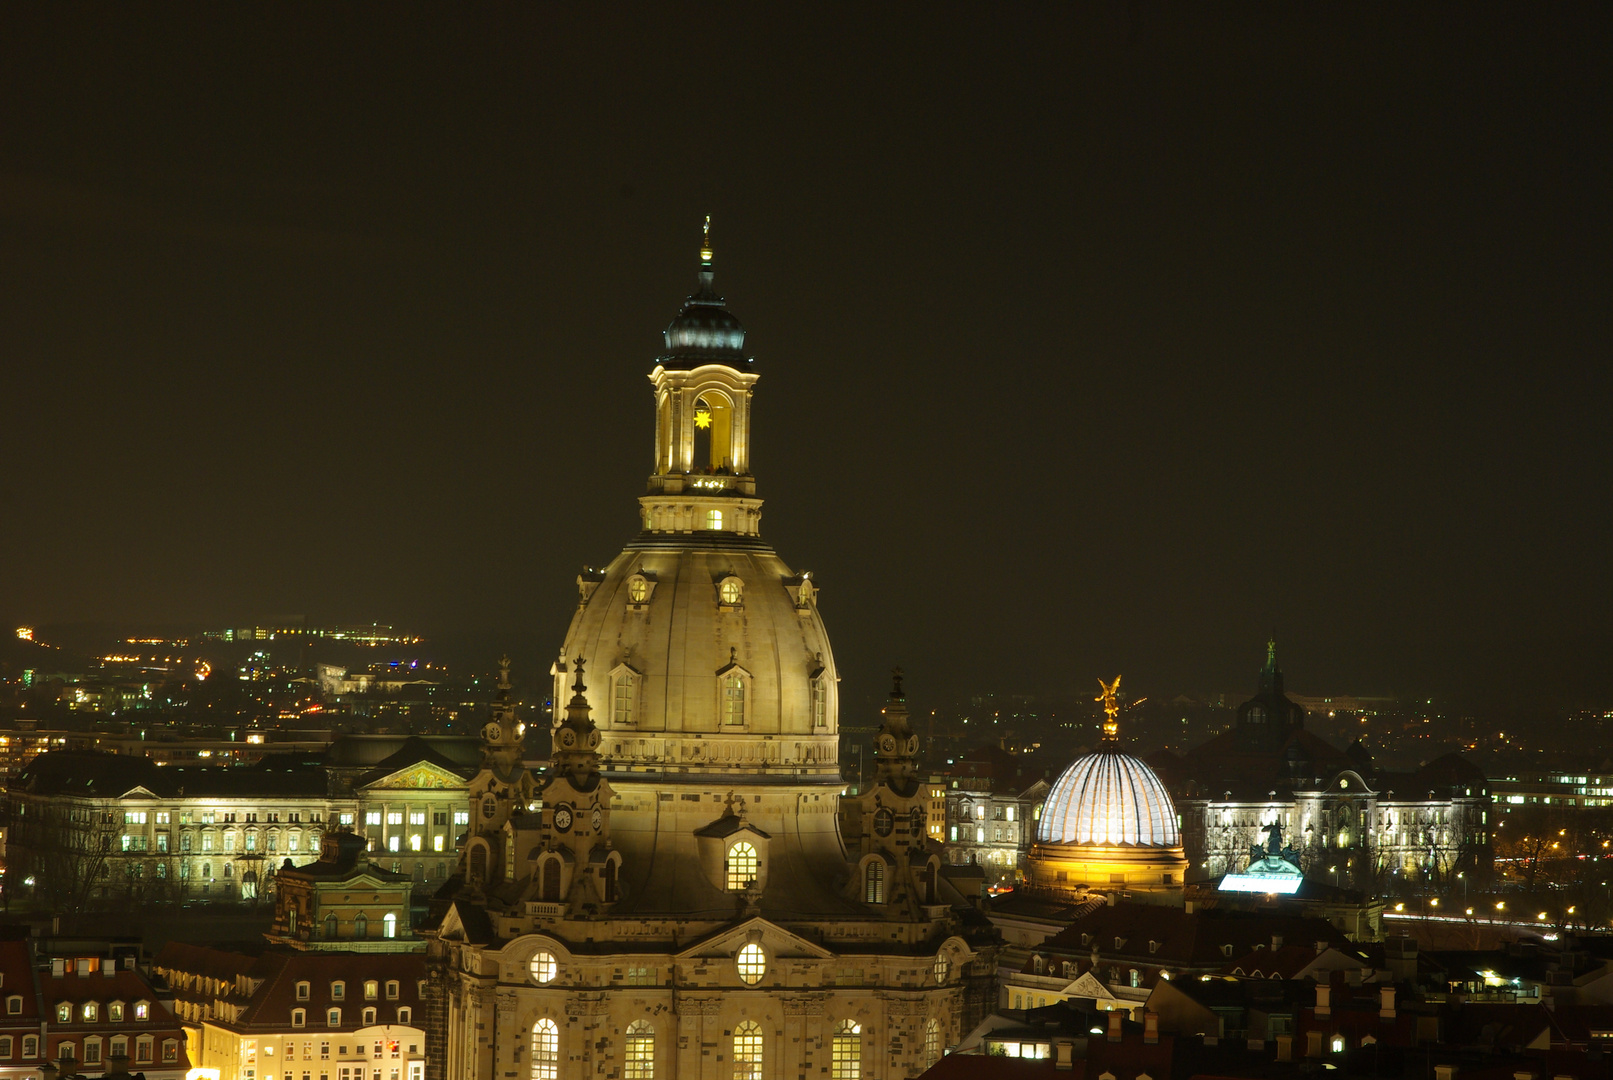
{"x": 60, "y": 853}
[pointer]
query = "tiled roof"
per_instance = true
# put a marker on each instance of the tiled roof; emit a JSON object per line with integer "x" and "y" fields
{"x": 271, "y": 1005}
{"x": 1196, "y": 940}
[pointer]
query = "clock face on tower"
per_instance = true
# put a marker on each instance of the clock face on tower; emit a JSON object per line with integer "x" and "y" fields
{"x": 597, "y": 818}
{"x": 562, "y": 818}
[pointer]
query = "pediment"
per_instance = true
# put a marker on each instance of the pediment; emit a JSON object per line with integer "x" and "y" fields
{"x": 420, "y": 775}
{"x": 778, "y": 941}
{"x": 139, "y": 791}
{"x": 1088, "y": 986}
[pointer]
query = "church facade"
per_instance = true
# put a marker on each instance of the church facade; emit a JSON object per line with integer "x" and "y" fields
{"x": 675, "y": 897}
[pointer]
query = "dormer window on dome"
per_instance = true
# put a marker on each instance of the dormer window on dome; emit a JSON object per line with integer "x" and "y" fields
{"x": 730, "y": 592}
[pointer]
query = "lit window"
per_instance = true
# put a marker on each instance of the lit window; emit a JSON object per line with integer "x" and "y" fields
{"x": 638, "y": 590}
{"x": 820, "y": 703}
{"x": 389, "y": 925}
{"x": 932, "y": 1041}
{"x": 394, "y": 817}
{"x": 417, "y": 817}
{"x": 846, "y": 1055}
{"x": 622, "y": 695}
{"x": 747, "y": 1050}
{"x": 714, "y": 519}
{"x": 372, "y": 989}
{"x": 142, "y": 1011}
{"x": 744, "y": 867}
{"x": 114, "y": 1012}
{"x": 733, "y": 699}
{"x": 543, "y": 966}
{"x": 545, "y": 1050}
{"x": 89, "y": 1011}
{"x": 638, "y": 1056}
{"x": 752, "y": 963}
{"x": 942, "y": 967}
{"x": 731, "y": 590}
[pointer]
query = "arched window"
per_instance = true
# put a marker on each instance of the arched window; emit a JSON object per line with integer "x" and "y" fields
{"x": 330, "y": 927}
{"x": 545, "y": 1050}
{"x": 733, "y": 698}
{"x": 820, "y": 703}
{"x": 89, "y": 1012}
{"x": 299, "y": 1017}
{"x": 747, "y": 1050}
{"x": 361, "y": 926}
{"x": 752, "y": 964}
{"x": 942, "y": 967}
{"x": 846, "y": 1056}
{"x": 551, "y": 880}
{"x": 714, "y": 520}
{"x": 731, "y": 590}
{"x": 874, "y": 883}
{"x": 389, "y": 926}
{"x": 743, "y": 867}
{"x": 638, "y": 1057}
{"x": 932, "y": 1041}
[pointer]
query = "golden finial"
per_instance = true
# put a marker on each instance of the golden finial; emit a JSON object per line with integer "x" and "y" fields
{"x": 705, "y": 242}
{"x": 1111, "y": 708}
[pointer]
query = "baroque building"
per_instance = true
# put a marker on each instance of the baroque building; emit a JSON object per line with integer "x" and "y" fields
{"x": 1351, "y": 823}
{"x": 674, "y": 896}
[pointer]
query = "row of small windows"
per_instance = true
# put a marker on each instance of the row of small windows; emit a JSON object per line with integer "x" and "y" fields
{"x": 750, "y": 962}
{"x": 338, "y": 990}
{"x": 333, "y": 1017}
{"x": 118, "y": 1047}
{"x": 733, "y": 688}
{"x": 748, "y": 1046}
{"x": 89, "y": 1012}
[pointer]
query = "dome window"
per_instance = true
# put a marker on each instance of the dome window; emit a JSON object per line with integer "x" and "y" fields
{"x": 624, "y": 695}
{"x": 640, "y": 589}
{"x": 820, "y": 701}
{"x": 730, "y": 592}
{"x": 714, "y": 520}
{"x": 733, "y": 692}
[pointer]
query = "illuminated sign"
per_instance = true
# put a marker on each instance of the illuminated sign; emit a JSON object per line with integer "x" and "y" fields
{"x": 1259, "y": 883}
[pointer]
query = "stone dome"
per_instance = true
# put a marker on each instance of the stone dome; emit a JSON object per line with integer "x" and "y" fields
{"x": 1109, "y": 798}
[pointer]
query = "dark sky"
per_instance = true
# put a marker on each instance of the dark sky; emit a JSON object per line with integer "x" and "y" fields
{"x": 1091, "y": 341}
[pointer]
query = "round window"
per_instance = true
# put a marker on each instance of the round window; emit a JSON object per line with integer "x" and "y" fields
{"x": 752, "y": 963}
{"x": 638, "y": 590}
{"x": 731, "y": 590}
{"x": 544, "y": 967}
{"x": 884, "y": 821}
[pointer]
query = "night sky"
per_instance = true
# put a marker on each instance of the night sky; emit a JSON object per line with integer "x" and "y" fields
{"x": 1090, "y": 341}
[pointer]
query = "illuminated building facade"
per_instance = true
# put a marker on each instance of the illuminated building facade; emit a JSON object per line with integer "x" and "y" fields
{"x": 1352, "y": 824}
{"x": 92, "y": 828}
{"x": 674, "y": 896}
{"x": 283, "y": 1015}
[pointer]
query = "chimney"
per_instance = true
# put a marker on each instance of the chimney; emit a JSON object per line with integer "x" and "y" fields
{"x": 1321, "y": 947}
{"x": 1444, "y": 1072}
{"x": 1111, "y": 899}
{"x": 1114, "y": 1025}
{"x": 1386, "y": 1003}
{"x": 110, "y": 969}
{"x": 1523, "y": 1076}
{"x": 1324, "y": 1000}
{"x": 1150, "y": 1027}
{"x": 1276, "y": 942}
{"x": 1063, "y": 1055}
{"x": 1285, "y": 1048}
{"x": 58, "y": 967}
{"x": 1188, "y": 905}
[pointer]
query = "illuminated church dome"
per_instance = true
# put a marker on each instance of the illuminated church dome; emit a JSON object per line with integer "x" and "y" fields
{"x": 1108, "y": 797}
{"x": 1108, "y": 821}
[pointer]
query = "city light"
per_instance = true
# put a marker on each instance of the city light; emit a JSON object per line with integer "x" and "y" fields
{"x": 25, "y": 633}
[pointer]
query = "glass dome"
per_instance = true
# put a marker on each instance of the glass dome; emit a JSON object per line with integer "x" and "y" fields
{"x": 1108, "y": 797}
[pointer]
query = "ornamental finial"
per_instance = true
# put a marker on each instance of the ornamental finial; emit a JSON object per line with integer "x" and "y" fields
{"x": 705, "y": 243}
{"x": 1111, "y": 709}
{"x": 504, "y": 673}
